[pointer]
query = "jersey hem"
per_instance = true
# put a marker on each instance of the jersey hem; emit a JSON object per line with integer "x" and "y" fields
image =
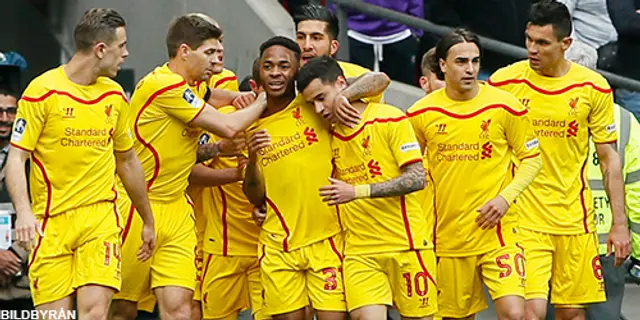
{"x": 269, "y": 244}
{"x": 578, "y": 231}
{"x": 407, "y": 249}
{"x": 463, "y": 253}
{"x": 21, "y": 147}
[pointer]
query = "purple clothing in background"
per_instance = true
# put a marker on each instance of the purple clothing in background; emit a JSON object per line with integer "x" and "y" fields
{"x": 376, "y": 27}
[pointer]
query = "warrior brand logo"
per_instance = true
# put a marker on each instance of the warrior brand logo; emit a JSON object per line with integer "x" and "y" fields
{"x": 366, "y": 144}
{"x": 68, "y": 113}
{"x": 107, "y": 110}
{"x": 442, "y": 128}
{"x": 310, "y": 135}
{"x": 297, "y": 115}
{"x": 525, "y": 102}
{"x": 572, "y": 131}
{"x": 573, "y": 104}
{"x": 484, "y": 134}
{"x": 374, "y": 168}
{"x": 487, "y": 151}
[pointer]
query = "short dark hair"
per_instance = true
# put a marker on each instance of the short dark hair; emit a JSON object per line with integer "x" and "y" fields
{"x": 554, "y": 13}
{"x": 451, "y": 39}
{"x": 244, "y": 84}
{"x": 320, "y": 13}
{"x": 9, "y": 92}
{"x": 97, "y": 25}
{"x": 429, "y": 62}
{"x": 324, "y": 68}
{"x": 191, "y": 30}
{"x": 281, "y": 41}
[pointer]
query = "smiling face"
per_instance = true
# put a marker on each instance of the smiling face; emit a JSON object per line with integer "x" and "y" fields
{"x": 278, "y": 68}
{"x": 461, "y": 66}
{"x": 314, "y": 40}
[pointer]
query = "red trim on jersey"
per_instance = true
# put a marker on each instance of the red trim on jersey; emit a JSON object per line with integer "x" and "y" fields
{"x": 79, "y": 100}
{"x": 115, "y": 209}
{"x": 499, "y": 233}
{"x": 154, "y": 152}
{"x": 285, "y": 244}
{"x": 223, "y": 80}
{"x": 607, "y": 142}
{"x": 548, "y": 92}
{"x": 225, "y": 227}
{"x": 519, "y": 246}
{"x": 582, "y": 200}
{"x": 204, "y": 105}
{"x": 435, "y": 212}
{"x": 469, "y": 115}
{"x": 424, "y": 268}
{"x": 376, "y": 120}
{"x": 47, "y": 208}
{"x": 127, "y": 227}
{"x": 206, "y": 268}
{"x": 262, "y": 257}
{"x": 407, "y": 227}
{"x": 335, "y": 249}
{"x": 21, "y": 148}
{"x": 411, "y": 162}
{"x": 531, "y": 156}
{"x": 334, "y": 170}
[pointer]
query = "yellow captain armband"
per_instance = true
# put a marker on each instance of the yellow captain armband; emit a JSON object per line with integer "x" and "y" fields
{"x": 363, "y": 191}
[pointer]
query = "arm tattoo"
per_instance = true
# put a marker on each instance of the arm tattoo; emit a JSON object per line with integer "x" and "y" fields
{"x": 207, "y": 151}
{"x": 367, "y": 85}
{"x": 412, "y": 179}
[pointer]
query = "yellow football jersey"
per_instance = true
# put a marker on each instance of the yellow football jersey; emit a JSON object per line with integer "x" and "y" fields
{"x": 162, "y": 106}
{"x": 470, "y": 145}
{"x": 72, "y": 131}
{"x": 374, "y": 152}
{"x": 228, "y": 228}
{"x": 295, "y": 166}
{"x": 564, "y": 112}
{"x": 351, "y": 70}
{"x": 226, "y": 80}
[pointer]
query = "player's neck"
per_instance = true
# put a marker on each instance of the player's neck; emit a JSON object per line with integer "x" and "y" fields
{"x": 556, "y": 70}
{"x": 462, "y": 95}
{"x": 275, "y": 104}
{"x": 179, "y": 68}
{"x": 81, "y": 70}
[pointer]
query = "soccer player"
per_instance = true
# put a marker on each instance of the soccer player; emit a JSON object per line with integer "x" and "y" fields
{"x": 388, "y": 256}
{"x": 470, "y": 132}
{"x": 317, "y": 31}
{"x": 170, "y": 106}
{"x": 429, "y": 81}
{"x": 222, "y": 78}
{"x": 71, "y": 123}
{"x": 289, "y": 155}
{"x": 568, "y": 103}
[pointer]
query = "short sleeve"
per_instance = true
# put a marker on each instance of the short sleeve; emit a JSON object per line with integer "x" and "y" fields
{"x": 182, "y": 103}
{"x": 31, "y": 117}
{"x": 415, "y": 121}
{"x": 601, "y": 119}
{"x": 520, "y": 135}
{"x": 403, "y": 142}
{"x": 122, "y": 136}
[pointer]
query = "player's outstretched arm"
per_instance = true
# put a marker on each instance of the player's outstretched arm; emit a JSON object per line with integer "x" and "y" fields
{"x": 229, "y": 125}
{"x": 611, "y": 168}
{"x": 26, "y": 224}
{"x": 130, "y": 172}
{"x": 204, "y": 176}
{"x": 222, "y": 148}
{"x": 253, "y": 186}
{"x": 412, "y": 179}
{"x": 369, "y": 84}
{"x": 220, "y": 98}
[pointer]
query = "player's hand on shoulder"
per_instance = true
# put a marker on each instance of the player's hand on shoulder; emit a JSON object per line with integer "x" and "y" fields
{"x": 244, "y": 99}
{"x": 338, "y": 192}
{"x": 345, "y": 113}
{"x": 257, "y": 140}
{"x": 491, "y": 213}
{"x": 27, "y": 226}
{"x": 259, "y": 214}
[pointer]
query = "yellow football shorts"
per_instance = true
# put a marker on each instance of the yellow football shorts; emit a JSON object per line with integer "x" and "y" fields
{"x": 406, "y": 279}
{"x": 81, "y": 246}
{"x": 230, "y": 285}
{"x": 570, "y": 263}
{"x": 174, "y": 260}
{"x": 460, "y": 281}
{"x": 311, "y": 274}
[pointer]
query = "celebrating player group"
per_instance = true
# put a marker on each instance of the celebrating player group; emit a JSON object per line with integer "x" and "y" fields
{"x": 308, "y": 195}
